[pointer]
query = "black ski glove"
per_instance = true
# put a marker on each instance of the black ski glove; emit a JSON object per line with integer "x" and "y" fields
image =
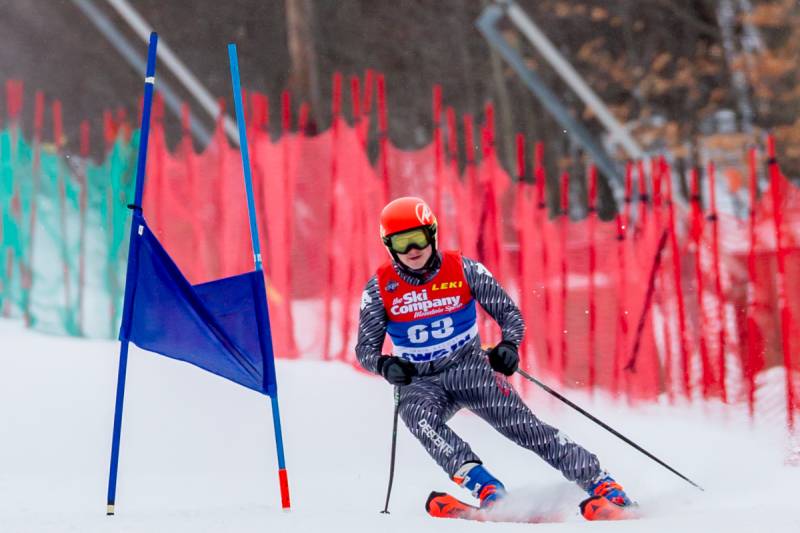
{"x": 504, "y": 358}
{"x": 396, "y": 370}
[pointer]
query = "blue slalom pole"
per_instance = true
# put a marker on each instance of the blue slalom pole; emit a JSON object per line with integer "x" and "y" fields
{"x": 248, "y": 180}
{"x": 131, "y": 275}
{"x": 251, "y": 207}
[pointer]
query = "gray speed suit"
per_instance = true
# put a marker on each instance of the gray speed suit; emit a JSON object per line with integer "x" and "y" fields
{"x": 464, "y": 379}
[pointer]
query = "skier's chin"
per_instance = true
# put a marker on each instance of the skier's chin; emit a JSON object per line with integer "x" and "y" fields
{"x": 415, "y": 263}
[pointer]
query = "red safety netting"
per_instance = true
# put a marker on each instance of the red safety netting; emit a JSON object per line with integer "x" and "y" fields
{"x": 667, "y": 298}
{"x": 603, "y": 299}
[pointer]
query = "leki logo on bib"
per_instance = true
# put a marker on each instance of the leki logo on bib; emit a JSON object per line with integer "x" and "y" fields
{"x": 445, "y": 285}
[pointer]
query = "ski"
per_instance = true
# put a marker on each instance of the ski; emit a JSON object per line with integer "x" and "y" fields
{"x": 444, "y": 505}
{"x": 595, "y": 508}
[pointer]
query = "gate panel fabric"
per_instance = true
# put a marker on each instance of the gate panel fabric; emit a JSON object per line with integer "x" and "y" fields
{"x": 215, "y": 326}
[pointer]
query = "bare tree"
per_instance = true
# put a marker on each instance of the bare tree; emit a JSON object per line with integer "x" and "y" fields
{"x": 304, "y": 72}
{"x": 505, "y": 123}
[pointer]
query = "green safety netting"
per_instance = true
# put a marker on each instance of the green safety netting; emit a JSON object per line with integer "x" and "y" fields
{"x": 64, "y": 223}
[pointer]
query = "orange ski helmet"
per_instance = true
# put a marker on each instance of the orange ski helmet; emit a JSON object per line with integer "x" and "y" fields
{"x": 404, "y": 214}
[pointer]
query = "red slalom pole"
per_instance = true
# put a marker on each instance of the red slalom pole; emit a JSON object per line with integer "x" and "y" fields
{"x": 628, "y": 194}
{"x": 383, "y": 137}
{"x": 489, "y": 155}
{"x": 303, "y": 118}
{"x": 541, "y": 214}
{"x": 697, "y": 232}
{"x": 644, "y": 198}
{"x": 452, "y": 138}
{"x": 187, "y": 151}
{"x": 124, "y": 124}
{"x": 752, "y": 360}
{"x": 713, "y": 217}
{"x": 364, "y": 118}
{"x": 621, "y": 338}
{"x": 158, "y": 152}
{"x": 220, "y": 141}
{"x": 14, "y": 99}
{"x": 562, "y": 226}
{"x": 485, "y": 211}
{"x": 289, "y": 184}
{"x": 520, "y": 224}
{"x": 262, "y": 116}
{"x": 656, "y": 169}
{"x": 109, "y": 129}
{"x": 459, "y": 207}
{"x": 334, "y": 180}
{"x": 369, "y": 81}
{"x": 658, "y": 173}
{"x": 470, "y": 181}
{"x": 678, "y": 287}
{"x": 358, "y": 218}
{"x": 776, "y": 183}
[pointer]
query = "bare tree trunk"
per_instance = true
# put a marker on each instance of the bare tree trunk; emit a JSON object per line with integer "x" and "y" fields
{"x": 726, "y": 15}
{"x": 505, "y": 123}
{"x": 752, "y": 46}
{"x": 304, "y": 72}
{"x": 464, "y": 23}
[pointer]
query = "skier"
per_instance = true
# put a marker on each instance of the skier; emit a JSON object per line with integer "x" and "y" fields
{"x": 425, "y": 299}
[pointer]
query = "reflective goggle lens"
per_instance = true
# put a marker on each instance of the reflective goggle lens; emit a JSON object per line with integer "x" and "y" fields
{"x": 402, "y": 242}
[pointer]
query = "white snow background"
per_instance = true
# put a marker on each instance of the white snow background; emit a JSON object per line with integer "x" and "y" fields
{"x": 198, "y": 453}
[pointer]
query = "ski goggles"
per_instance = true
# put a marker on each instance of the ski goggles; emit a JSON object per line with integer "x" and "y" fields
{"x": 401, "y": 243}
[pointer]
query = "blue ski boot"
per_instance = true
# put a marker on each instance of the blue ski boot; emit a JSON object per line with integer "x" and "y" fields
{"x": 605, "y": 486}
{"x": 484, "y": 486}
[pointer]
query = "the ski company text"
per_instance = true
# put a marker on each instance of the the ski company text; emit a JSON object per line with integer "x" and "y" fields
{"x": 436, "y": 439}
{"x": 417, "y": 302}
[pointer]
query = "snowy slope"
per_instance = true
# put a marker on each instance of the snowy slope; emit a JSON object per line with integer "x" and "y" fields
{"x": 198, "y": 453}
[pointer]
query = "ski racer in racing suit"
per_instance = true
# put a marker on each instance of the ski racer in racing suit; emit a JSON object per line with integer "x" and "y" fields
{"x": 426, "y": 301}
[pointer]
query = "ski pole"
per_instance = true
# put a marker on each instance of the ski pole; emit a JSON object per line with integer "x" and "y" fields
{"x": 394, "y": 448}
{"x": 605, "y": 426}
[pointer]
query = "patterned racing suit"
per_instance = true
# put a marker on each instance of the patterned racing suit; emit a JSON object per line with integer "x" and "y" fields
{"x": 461, "y": 377}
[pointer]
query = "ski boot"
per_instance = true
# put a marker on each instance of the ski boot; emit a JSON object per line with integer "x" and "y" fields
{"x": 484, "y": 486}
{"x": 605, "y": 486}
{"x": 607, "y": 499}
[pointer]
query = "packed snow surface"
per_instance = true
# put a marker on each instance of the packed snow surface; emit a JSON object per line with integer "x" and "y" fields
{"x": 198, "y": 452}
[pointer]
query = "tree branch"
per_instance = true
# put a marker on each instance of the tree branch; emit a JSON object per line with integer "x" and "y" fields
{"x": 689, "y": 18}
